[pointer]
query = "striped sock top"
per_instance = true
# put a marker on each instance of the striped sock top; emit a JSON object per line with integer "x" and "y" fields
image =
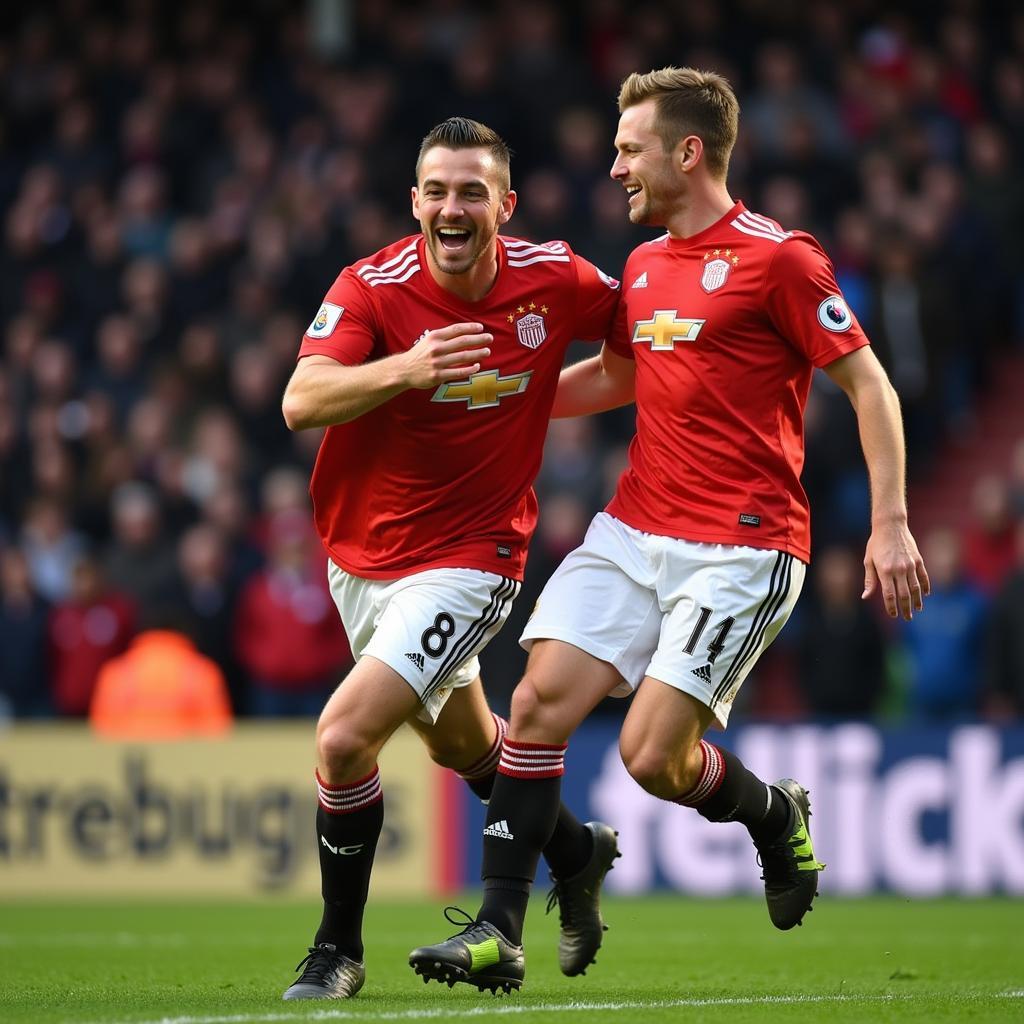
{"x": 351, "y": 796}
{"x": 532, "y": 760}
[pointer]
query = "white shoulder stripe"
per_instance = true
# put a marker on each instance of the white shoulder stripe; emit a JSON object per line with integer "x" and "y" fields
{"x": 414, "y": 269}
{"x": 521, "y": 247}
{"x": 368, "y": 269}
{"x": 765, "y": 222}
{"x": 759, "y": 230}
{"x": 549, "y": 258}
{"x": 758, "y": 233}
{"x": 403, "y": 266}
{"x": 755, "y": 220}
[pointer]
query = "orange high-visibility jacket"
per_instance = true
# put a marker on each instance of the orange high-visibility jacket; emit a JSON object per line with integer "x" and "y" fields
{"x": 160, "y": 688}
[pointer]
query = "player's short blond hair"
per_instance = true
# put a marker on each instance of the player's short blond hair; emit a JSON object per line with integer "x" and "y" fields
{"x": 689, "y": 102}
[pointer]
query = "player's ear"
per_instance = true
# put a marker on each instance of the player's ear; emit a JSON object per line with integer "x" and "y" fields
{"x": 688, "y": 153}
{"x": 508, "y": 204}
{"x": 415, "y": 196}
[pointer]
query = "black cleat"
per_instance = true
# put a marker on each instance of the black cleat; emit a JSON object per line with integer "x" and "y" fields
{"x": 789, "y": 865}
{"x": 579, "y": 903}
{"x": 479, "y": 955}
{"x": 327, "y": 975}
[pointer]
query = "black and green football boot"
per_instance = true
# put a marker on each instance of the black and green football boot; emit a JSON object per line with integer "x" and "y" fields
{"x": 478, "y": 955}
{"x": 789, "y": 865}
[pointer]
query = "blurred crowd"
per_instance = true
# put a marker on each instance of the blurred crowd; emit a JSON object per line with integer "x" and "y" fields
{"x": 181, "y": 183}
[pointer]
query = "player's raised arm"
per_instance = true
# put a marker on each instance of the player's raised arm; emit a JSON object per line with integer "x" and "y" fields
{"x": 323, "y": 391}
{"x": 891, "y": 560}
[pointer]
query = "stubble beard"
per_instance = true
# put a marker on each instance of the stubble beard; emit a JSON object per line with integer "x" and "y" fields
{"x": 459, "y": 264}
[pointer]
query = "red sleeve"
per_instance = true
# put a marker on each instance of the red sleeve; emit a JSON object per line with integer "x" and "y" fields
{"x": 805, "y": 305}
{"x": 597, "y": 297}
{"x": 619, "y": 340}
{"x": 344, "y": 327}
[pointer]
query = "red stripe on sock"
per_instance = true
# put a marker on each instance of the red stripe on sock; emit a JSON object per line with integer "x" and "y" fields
{"x": 532, "y": 760}
{"x": 485, "y": 765}
{"x": 349, "y": 797}
{"x": 711, "y": 777}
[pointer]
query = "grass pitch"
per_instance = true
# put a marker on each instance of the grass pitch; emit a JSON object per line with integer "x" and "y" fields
{"x": 665, "y": 959}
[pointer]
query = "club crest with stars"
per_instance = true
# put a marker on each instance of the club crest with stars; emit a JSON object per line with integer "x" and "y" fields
{"x": 718, "y": 264}
{"x": 531, "y": 330}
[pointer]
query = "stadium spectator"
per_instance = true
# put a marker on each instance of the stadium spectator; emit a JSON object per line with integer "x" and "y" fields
{"x": 945, "y": 647}
{"x": 91, "y": 626}
{"x": 208, "y": 591}
{"x": 161, "y": 688}
{"x": 286, "y": 631}
{"x": 989, "y": 540}
{"x": 840, "y": 644}
{"x": 137, "y": 559}
{"x": 24, "y": 669}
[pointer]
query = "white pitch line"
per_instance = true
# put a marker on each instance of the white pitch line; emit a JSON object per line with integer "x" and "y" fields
{"x": 450, "y": 1013}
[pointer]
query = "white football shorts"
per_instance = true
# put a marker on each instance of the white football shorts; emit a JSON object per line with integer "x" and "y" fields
{"x": 428, "y": 627}
{"x": 696, "y": 616}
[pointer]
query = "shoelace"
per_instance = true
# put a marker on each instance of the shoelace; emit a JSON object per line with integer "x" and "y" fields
{"x": 774, "y": 862}
{"x": 319, "y": 962}
{"x": 466, "y": 922}
{"x": 565, "y": 907}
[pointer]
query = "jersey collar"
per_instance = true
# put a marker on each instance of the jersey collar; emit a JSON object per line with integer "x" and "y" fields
{"x": 451, "y": 297}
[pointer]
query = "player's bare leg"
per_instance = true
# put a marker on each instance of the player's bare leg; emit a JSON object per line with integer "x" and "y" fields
{"x": 357, "y": 721}
{"x": 663, "y": 748}
{"x": 561, "y": 686}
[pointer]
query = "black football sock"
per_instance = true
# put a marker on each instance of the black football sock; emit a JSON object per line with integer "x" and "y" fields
{"x": 727, "y": 791}
{"x": 521, "y": 817}
{"x": 348, "y": 824}
{"x": 571, "y": 843}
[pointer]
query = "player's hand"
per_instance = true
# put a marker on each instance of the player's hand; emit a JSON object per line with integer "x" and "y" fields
{"x": 447, "y": 354}
{"x": 893, "y": 563}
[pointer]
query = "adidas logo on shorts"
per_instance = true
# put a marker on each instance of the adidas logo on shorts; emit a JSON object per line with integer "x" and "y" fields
{"x": 417, "y": 659}
{"x": 703, "y": 673}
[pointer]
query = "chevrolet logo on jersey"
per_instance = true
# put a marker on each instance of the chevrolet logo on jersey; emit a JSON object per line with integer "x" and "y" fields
{"x": 665, "y": 328}
{"x": 483, "y": 390}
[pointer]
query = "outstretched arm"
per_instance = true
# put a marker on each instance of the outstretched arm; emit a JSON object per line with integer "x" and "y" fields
{"x": 323, "y": 391}
{"x": 603, "y": 382}
{"x": 891, "y": 560}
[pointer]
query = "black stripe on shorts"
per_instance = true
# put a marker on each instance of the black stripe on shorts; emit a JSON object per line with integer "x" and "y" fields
{"x": 505, "y": 591}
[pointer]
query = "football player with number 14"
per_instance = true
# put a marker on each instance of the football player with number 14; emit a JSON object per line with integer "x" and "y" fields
{"x": 697, "y": 562}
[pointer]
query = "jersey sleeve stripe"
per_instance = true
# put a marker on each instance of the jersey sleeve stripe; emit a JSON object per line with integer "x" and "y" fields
{"x": 532, "y": 246}
{"x": 765, "y": 222}
{"x": 414, "y": 269}
{"x": 757, "y": 233}
{"x": 373, "y": 275}
{"x": 537, "y": 259}
{"x": 368, "y": 269}
{"x": 752, "y": 227}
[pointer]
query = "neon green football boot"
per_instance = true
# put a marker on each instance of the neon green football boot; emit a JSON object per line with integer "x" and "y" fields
{"x": 789, "y": 865}
{"x": 478, "y": 955}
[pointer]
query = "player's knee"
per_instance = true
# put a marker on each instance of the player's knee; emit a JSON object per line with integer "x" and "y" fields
{"x": 534, "y": 718}
{"x": 344, "y": 751}
{"x": 655, "y": 771}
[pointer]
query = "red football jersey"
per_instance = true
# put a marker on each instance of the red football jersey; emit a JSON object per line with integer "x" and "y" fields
{"x": 443, "y": 477}
{"x": 726, "y": 328}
